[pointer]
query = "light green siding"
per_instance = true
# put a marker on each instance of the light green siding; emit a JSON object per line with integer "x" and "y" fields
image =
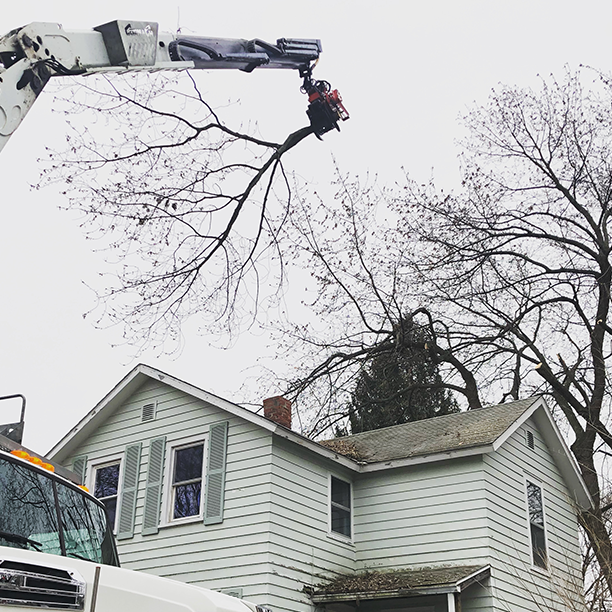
{"x": 303, "y": 553}
{"x": 425, "y": 515}
{"x": 422, "y": 515}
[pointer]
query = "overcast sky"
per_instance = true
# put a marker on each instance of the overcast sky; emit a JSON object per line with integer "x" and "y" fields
{"x": 406, "y": 70}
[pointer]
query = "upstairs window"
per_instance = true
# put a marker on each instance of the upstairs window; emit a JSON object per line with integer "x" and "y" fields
{"x": 106, "y": 488}
{"x": 340, "y": 507}
{"x": 536, "y": 524}
{"x": 187, "y": 470}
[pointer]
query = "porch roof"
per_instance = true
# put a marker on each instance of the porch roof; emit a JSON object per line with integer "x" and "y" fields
{"x": 400, "y": 583}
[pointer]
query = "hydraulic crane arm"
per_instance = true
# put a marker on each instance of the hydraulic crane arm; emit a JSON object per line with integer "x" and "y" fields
{"x": 31, "y": 55}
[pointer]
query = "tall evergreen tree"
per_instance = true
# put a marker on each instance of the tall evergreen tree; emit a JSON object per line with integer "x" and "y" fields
{"x": 400, "y": 384}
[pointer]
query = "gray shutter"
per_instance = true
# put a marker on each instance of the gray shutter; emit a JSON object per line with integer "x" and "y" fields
{"x": 155, "y": 471}
{"x": 129, "y": 490}
{"x": 79, "y": 467}
{"x": 215, "y": 474}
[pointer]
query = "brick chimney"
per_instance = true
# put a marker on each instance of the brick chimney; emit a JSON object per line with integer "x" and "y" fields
{"x": 278, "y": 409}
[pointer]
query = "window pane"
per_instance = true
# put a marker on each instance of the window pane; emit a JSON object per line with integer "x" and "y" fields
{"x": 107, "y": 481}
{"x": 111, "y": 510}
{"x": 188, "y": 463}
{"x": 187, "y": 500}
{"x": 534, "y": 500}
{"x": 27, "y": 509}
{"x": 341, "y": 492}
{"x": 538, "y": 545}
{"x": 341, "y": 521}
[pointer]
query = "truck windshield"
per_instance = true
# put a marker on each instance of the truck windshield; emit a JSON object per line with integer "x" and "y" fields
{"x": 42, "y": 513}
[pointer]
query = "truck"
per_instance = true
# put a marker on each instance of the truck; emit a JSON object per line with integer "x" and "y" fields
{"x": 57, "y": 549}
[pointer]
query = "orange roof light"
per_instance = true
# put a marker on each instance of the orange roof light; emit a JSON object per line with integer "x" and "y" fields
{"x": 35, "y": 460}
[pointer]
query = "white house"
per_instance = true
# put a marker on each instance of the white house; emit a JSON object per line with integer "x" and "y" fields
{"x": 473, "y": 511}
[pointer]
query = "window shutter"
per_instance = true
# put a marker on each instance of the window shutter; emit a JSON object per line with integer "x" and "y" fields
{"x": 215, "y": 474}
{"x": 129, "y": 489}
{"x": 155, "y": 470}
{"x": 79, "y": 467}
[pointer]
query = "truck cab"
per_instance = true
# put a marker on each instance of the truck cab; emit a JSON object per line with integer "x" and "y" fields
{"x": 57, "y": 549}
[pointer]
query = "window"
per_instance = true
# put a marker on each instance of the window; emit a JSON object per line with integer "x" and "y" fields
{"x": 106, "y": 487}
{"x": 536, "y": 525}
{"x": 187, "y": 470}
{"x": 340, "y": 507}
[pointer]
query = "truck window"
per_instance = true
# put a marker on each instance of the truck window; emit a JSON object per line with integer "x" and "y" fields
{"x": 75, "y": 526}
{"x": 27, "y": 509}
{"x": 85, "y": 526}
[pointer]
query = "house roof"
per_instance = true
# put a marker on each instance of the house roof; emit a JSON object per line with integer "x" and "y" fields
{"x": 462, "y": 430}
{"x": 404, "y": 583}
{"x": 463, "y": 434}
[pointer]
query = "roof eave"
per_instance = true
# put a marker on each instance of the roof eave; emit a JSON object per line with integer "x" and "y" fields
{"x": 395, "y": 594}
{"x": 477, "y": 576}
{"x": 420, "y": 459}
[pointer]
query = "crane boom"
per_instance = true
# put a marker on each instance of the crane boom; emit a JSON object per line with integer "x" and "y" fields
{"x": 31, "y": 55}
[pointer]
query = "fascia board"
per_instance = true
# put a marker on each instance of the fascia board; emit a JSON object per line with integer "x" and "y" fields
{"x": 209, "y": 398}
{"x": 567, "y": 464}
{"x": 538, "y": 403}
{"x": 130, "y": 384}
{"x": 481, "y": 574}
{"x": 400, "y": 593}
{"x": 454, "y": 454}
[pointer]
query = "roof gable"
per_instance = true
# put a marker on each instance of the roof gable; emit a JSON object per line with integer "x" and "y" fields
{"x": 137, "y": 377}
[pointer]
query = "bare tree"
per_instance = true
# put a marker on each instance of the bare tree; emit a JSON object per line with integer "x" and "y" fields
{"x": 512, "y": 274}
{"x": 188, "y": 208}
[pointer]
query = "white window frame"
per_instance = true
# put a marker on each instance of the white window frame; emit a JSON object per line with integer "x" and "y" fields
{"x": 538, "y": 483}
{"x": 330, "y": 532}
{"x": 168, "y": 489}
{"x": 94, "y": 465}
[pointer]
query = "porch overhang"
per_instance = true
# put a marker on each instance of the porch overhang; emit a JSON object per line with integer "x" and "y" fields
{"x": 400, "y": 584}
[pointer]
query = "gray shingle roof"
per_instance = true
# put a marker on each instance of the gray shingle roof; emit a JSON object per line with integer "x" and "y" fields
{"x": 400, "y": 583}
{"x": 431, "y": 436}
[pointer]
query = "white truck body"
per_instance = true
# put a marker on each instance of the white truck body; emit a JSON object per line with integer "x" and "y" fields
{"x": 96, "y": 587}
